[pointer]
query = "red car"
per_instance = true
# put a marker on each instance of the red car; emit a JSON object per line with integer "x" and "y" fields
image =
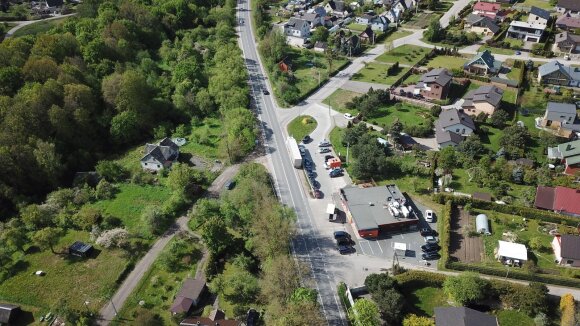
{"x": 317, "y": 194}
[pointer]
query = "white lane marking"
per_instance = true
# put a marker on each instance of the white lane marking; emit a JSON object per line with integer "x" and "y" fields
{"x": 379, "y": 243}
{"x": 360, "y": 244}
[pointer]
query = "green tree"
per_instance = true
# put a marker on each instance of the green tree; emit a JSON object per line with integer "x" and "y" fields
{"x": 364, "y": 312}
{"x": 34, "y": 218}
{"x": 104, "y": 190}
{"x": 465, "y": 288}
{"x": 14, "y": 234}
{"x": 434, "y": 31}
{"x": 499, "y": 118}
{"x": 302, "y": 294}
{"x": 216, "y": 236}
{"x": 320, "y": 34}
{"x": 154, "y": 219}
{"x": 183, "y": 179}
{"x": 514, "y": 140}
{"x": 281, "y": 280}
{"x": 241, "y": 133}
{"x": 352, "y": 135}
{"x": 111, "y": 171}
{"x": 447, "y": 159}
{"x": 47, "y": 238}
{"x": 10, "y": 80}
{"x": 414, "y": 320}
{"x": 471, "y": 147}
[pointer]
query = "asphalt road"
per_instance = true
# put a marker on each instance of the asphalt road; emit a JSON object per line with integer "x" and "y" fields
{"x": 306, "y": 245}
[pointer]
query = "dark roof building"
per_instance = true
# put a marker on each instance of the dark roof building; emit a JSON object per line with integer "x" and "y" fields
{"x": 8, "y": 314}
{"x": 216, "y": 317}
{"x": 375, "y": 209}
{"x": 572, "y": 6}
{"x": 189, "y": 296}
{"x": 482, "y": 21}
{"x": 160, "y": 156}
{"x": 567, "y": 21}
{"x": 483, "y": 63}
{"x": 484, "y": 99}
{"x": 556, "y": 73}
{"x": 570, "y": 246}
{"x": 452, "y": 126}
{"x": 462, "y": 316}
{"x": 568, "y": 42}
{"x": 540, "y": 13}
{"x": 561, "y": 200}
{"x": 80, "y": 249}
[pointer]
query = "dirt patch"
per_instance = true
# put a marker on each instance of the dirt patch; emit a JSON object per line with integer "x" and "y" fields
{"x": 463, "y": 248}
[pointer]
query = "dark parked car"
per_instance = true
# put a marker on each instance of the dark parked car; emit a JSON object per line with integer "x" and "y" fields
{"x": 344, "y": 249}
{"x": 341, "y": 234}
{"x": 335, "y": 173}
{"x": 426, "y": 231}
{"x": 317, "y": 194}
{"x": 252, "y": 318}
{"x": 306, "y": 139}
{"x": 430, "y": 255}
{"x": 265, "y": 92}
{"x": 344, "y": 241}
{"x": 327, "y": 157}
{"x": 430, "y": 247}
{"x": 230, "y": 185}
{"x": 302, "y": 150}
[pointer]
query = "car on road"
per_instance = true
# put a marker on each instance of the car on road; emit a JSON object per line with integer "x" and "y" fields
{"x": 265, "y": 92}
{"x": 343, "y": 249}
{"x": 430, "y": 239}
{"x": 430, "y": 247}
{"x": 430, "y": 255}
{"x": 426, "y": 231}
{"x": 429, "y": 216}
{"x": 306, "y": 139}
{"x": 324, "y": 143}
{"x": 518, "y": 52}
{"x": 348, "y": 116}
{"x": 344, "y": 241}
{"x": 230, "y": 184}
{"x": 335, "y": 173}
{"x": 323, "y": 150}
{"x": 327, "y": 157}
{"x": 341, "y": 234}
{"x": 307, "y": 163}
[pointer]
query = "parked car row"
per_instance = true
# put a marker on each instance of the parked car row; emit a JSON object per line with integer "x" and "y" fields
{"x": 431, "y": 247}
{"x": 309, "y": 168}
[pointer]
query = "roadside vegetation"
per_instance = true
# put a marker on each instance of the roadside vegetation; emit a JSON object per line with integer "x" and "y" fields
{"x": 301, "y": 126}
{"x": 39, "y": 27}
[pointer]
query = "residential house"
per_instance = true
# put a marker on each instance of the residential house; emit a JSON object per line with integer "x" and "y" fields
{"x": 216, "y": 317}
{"x": 434, "y": 84}
{"x": 462, "y": 316}
{"x": 567, "y": 249}
{"x": 567, "y": 42}
{"x": 528, "y": 32}
{"x": 404, "y": 5}
{"x": 189, "y": 296}
{"x": 562, "y": 112}
{"x": 560, "y": 200}
{"x": 51, "y": 6}
{"x": 568, "y": 22}
{"x": 556, "y": 73}
{"x": 483, "y": 63}
{"x": 485, "y": 99}
{"x": 538, "y": 16}
{"x": 338, "y": 8}
{"x": 376, "y": 22}
{"x": 318, "y": 10}
{"x": 297, "y": 27}
{"x": 481, "y": 25}
{"x": 366, "y": 18}
{"x": 160, "y": 156}
{"x": 567, "y": 154}
{"x": 80, "y": 249}
{"x": 320, "y": 46}
{"x": 312, "y": 18}
{"x": 488, "y": 9}
{"x": 452, "y": 126}
{"x": 569, "y": 6}
{"x": 367, "y": 36}
{"x": 393, "y": 15}
{"x": 9, "y": 314}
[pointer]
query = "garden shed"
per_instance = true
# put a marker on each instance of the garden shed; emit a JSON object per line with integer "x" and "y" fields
{"x": 482, "y": 224}
{"x": 511, "y": 252}
{"x": 80, "y": 249}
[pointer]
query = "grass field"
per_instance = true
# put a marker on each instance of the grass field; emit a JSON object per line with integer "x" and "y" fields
{"x": 515, "y": 43}
{"x": 397, "y": 35}
{"x": 301, "y": 126}
{"x": 446, "y": 61}
{"x": 514, "y": 73}
{"x": 496, "y": 50}
{"x": 412, "y": 79}
{"x": 339, "y": 98}
{"x": 514, "y": 317}
{"x": 71, "y": 279}
{"x": 406, "y": 55}
{"x": 407, "y": 114}
{"x": 375, "y": 72}
{"x": 425, "y": 299}
{"x": 160, "y": 284}
{"x": 544, "y": 4}
{"x": 130, "y": 202}
{"x": 420, "y": 20}
{"x": 39, "y": 27}
{"x": 356, "y": 27}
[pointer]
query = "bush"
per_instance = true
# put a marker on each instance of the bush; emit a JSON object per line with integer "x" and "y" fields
{"x": 111, "y": 171}
{"x": 420, "y": 277}
{"x": 445, "y": 231}
{"x": 568, "y": 310}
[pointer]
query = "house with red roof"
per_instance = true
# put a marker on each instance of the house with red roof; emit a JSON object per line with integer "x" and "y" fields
{"x": 560, "y": 200}
{"x": 488, "y": 9}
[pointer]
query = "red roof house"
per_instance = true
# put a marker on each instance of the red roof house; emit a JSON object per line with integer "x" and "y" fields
{"x": 489, "y": 9}
{"x": 559, "y": 199}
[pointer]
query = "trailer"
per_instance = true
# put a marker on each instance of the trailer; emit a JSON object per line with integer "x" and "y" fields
{"x": 294, "y": 152}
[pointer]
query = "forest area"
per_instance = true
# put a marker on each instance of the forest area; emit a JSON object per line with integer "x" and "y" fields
{"x": 118, "y": 74}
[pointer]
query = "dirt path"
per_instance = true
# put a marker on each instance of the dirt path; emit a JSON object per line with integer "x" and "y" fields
{"x": 21, "y": 24}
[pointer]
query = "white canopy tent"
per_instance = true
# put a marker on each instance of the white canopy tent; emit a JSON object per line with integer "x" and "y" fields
{"x": 512, "y": 250}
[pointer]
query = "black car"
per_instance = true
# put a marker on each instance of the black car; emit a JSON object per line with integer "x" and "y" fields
{"x": 265, "y": 92}
{"x": 306, "y": 139}
{"x": 230, "y": 185}
{"x": 344, "y": 241}
{"x": 426, "y": 231}
{"x": 327, "y": 157}
{"x": 430, "y": 247}
{"x": 341, "y": 234}
{"x": 430, "y": 255}
{"x": 344, "y": 249}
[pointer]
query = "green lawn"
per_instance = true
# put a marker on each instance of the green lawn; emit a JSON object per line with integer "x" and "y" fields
{"x": 357, "y": 27}
{"x": 496, "y": 50}
{"x": 424, "y": 300}
{"x": 160, "y": 284}
{"x": 514, "y": 73}
{"x": 39, "y": 27}
{"x": 339, "y": 98}
{"x": 544, "y": 4}
{"x": 408, "y": 114}
{"x": 513, "y": 317}
{"x": 335, "y": 138}
{"x": 509, "y": 95}
{"x": 375, "y": 72}
{"x": 130, "y": 202}
{"x": 406, "y": 54}
{"x": 68, "y": 278}
{"x": 515, "y": 43}
{"x": 301, "y": 126}
{"x": 397, "y": 35}
{"x": 412, "y": 79}
{"x": 446, "y": 61}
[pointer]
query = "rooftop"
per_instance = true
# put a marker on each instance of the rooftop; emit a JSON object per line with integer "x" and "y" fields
{"x": 569, "y": 149}
{"x": 569, "y": 4}
{"x": 452, "y": 117}
{"x": 486, "y": 93}
{"x": 570, "y": 246}
{"x": 368, "y": 206}
{"x": 568, "y": 37}
{"x": 540, "y": 12}
{"x": 559, "y": 199}
{"x": 517, "y": 23}
{"x": 561, "y": 107}
{"x": 440, "y": 76}
{"x": 487, "y": 6}
{"x": 555, "y": 65}
{"x": 462, "y": 316}
{"x": 485, "y": 58}
{"x": 545, "y": 197}
{"x": 512, "y": 250}
{"x": 569, "y": 20}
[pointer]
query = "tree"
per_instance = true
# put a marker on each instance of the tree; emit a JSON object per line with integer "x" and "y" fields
{"x": 395, "y": 130}
{"x": 391, "y": 304}
{"x": 514, "y": 140}
{"x": 10, "y": 80}
{"x": 499, "y": 118}
{"x": 471, "y": 147}
{"x": 154, "y": 219}
{"x": 241, "y": 133}
{"x": 47, "y": 238}
{"x": 14, "y": 234}
{"x": 146, "y": 317}
{"x": 352, "y": 135}
{"x": 184, "y": 180}
{"x": 34, "y": 218}
{"x": 281, "y": 280}
{"x": 447, "y": 159}
{"x": 272, "y": 229}
{"x": 303, "y": 294}
{"x": 113, "y": 238}
{"x": 364, "y": 312}
{"x": 414, "y": 320}
{"x": 465, "y": 288}
{"x": 104, "y": 190}
{"x": 320, "y": 34}
{"x": 568, "y": 309}
{"x": 216, "y": 236}
{"x": 111, "y": 171}
{"x": 434, "y": 31}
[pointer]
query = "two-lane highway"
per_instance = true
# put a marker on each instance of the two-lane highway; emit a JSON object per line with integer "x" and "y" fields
{"x": 306, "y": 246}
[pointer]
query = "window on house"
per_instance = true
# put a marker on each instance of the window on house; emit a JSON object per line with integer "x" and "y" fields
{"x": 457, "y": 130}
{"x": 463, "y": 131}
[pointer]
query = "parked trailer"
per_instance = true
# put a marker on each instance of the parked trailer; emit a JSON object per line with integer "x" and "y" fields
{"x": 294, "y": 152}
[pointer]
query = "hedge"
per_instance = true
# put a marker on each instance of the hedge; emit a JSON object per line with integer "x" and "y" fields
{"x": 445, "y": 232}
{"x": 420, "y": 277}
{"x": 568, "y": 309}
{"x": 513, "y": 273}
{"x": 526, "y": 212}
{"x": 342, "y": 295}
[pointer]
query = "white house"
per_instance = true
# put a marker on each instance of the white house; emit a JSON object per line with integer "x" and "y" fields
{"x": 160, "y": 156}
{"x": 393, "y": 15}
{"x": 452, "y": 127}
{"x": 538, "y": 16}
{"x": 404, "y": 5}
{"x": 296, "y": 27}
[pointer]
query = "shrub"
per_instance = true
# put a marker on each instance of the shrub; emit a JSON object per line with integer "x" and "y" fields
{"x": 420, "y": 277}
{"x": 113, "y": 238}
{"x": 568, "y": 310}
{"x": 445, "y": 231}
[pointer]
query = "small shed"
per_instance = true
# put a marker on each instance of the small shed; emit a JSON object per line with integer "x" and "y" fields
{"x": 509, "y": 252}
{"x": 482, "y": 224}
{"x": 8, "y": 313}
{"x": 80, "y": 249}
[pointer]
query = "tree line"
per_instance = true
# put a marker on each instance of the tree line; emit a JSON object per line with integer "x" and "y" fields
{"x": 105, "y": 79}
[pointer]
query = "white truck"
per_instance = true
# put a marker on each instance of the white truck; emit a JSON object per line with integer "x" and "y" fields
{"x": 294, "y": 151}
